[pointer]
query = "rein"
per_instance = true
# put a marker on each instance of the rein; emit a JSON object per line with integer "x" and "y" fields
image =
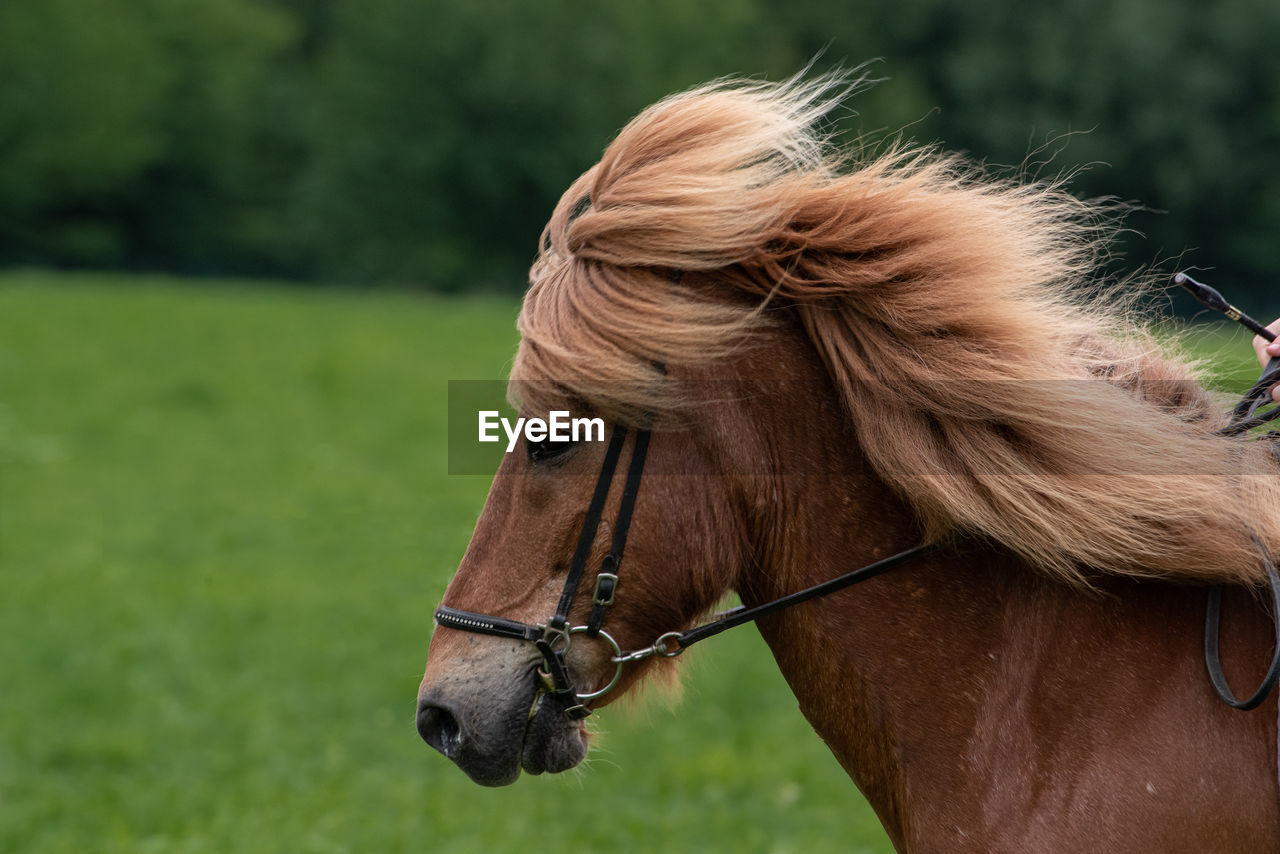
{"x": 1247, "y": 415}
{"x": 554, "y": 637}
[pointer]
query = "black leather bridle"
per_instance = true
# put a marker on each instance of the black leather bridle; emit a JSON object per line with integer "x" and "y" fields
{"x": 554, "y": 637}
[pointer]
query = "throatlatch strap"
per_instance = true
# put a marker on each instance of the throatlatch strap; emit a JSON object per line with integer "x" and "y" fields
{"x": 607, "y": 578}
{"x": 589, "y": 527}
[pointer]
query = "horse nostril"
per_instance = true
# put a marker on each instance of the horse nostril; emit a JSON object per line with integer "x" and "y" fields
{"x": 439, "y": 728}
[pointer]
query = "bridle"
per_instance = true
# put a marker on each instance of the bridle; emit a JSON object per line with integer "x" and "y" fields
{"x": 554, "y": 637}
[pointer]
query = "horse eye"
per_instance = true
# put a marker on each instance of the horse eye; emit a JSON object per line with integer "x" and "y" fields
{"x": 547, "y": 450}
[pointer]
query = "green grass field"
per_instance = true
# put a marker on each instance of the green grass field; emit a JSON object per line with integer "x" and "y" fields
{"x": 224, "y": 523}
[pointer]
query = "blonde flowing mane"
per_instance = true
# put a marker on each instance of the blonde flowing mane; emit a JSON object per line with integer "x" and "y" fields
{"x": 987, "y": 380}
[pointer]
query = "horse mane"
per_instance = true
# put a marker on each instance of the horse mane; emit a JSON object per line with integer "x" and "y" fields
{"x": 989, "y": 379}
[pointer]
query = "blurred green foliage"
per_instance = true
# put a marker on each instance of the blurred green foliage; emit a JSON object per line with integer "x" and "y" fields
{"x": 424, "y": 142}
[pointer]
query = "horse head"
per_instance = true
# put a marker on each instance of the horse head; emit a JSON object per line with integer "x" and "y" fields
{"x": 487, "y": 702}
{"x": 912, "y": 349}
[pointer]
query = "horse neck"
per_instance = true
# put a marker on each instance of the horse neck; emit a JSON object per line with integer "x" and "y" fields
{"x": 884, "y": 671}
{"x": 940, "y": 683}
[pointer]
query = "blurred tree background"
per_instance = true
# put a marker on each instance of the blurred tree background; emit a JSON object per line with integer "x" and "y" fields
{"x": 423, "y": 142}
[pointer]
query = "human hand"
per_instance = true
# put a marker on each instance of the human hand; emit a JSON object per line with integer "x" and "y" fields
{"x": 1268, "y": 350}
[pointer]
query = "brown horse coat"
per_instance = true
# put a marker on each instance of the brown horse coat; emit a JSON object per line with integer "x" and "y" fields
{"x": 905, "y": 350}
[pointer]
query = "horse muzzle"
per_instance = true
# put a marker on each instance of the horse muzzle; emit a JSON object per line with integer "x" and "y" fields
{"x": 492, "y": 719}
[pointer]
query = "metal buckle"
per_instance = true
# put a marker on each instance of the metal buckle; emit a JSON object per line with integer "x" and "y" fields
{"x": 666, "y": 646}
{"x": 550, "y": 634}
{"x": 601, "y": 577}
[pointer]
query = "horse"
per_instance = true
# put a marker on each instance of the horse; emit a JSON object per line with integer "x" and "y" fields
{"x": 815, "y": 357}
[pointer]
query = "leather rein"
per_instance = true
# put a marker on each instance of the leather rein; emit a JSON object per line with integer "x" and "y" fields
{"x": 553, "y": 638}
{"x": 1247, "y": 415}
